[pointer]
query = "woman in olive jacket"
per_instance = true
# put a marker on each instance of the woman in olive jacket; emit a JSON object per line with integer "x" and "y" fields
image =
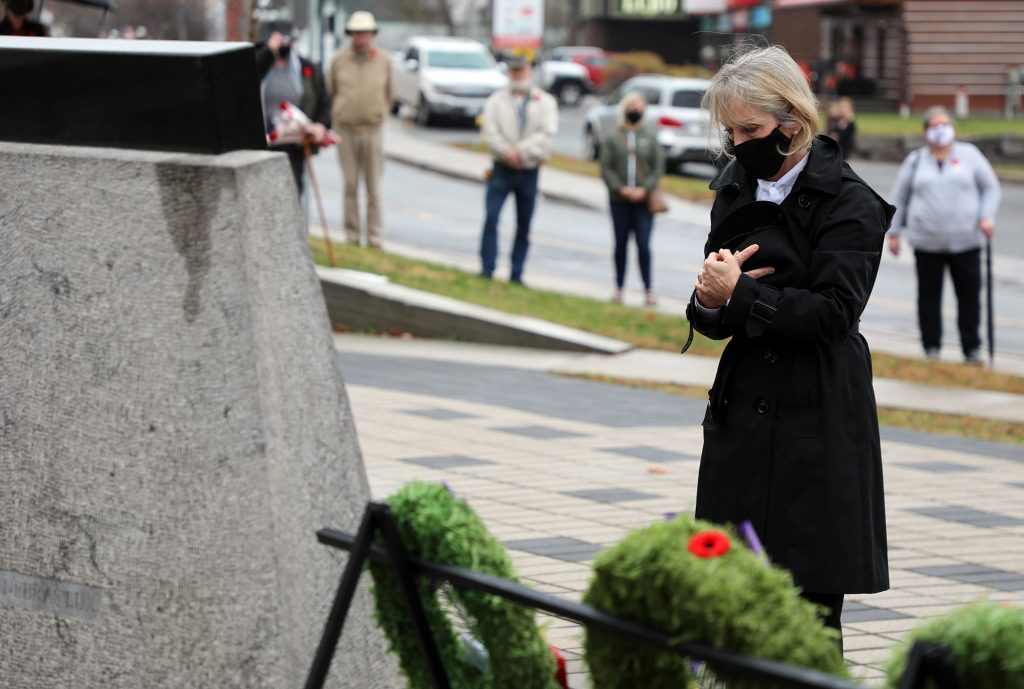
{"x": 632, "y": 163}
{"x": 791, "y": 431}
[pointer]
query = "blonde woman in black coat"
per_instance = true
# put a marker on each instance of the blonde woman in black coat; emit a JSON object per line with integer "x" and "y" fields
{"x": 791, "y": 431}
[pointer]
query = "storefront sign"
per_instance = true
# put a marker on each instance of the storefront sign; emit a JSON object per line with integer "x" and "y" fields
{"x": 518, "y": 24}
{"x": 649, "y": 9}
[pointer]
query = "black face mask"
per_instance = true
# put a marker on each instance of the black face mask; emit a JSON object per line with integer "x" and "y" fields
{"x": 284, "y": 51}
{"x": 761, "y": 157}
{"x": 20, "y": 7}
{"x": 634, "y": 116}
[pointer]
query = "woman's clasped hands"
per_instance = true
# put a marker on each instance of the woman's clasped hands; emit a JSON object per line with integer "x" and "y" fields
{"x": 717, "y": 279}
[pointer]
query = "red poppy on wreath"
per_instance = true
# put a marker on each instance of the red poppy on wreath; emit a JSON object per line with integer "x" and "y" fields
{"x": 709, "y": 544}
{"x": 307, "y": 71}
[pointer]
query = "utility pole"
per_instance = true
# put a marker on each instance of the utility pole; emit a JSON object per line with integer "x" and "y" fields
{"x": 474, "y": 20}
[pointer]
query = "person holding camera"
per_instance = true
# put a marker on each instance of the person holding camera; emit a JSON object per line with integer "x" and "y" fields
{"x": 288, "y": 77}
{"x": 16, "y": 21}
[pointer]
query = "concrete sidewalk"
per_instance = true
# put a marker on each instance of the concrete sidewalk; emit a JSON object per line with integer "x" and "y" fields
{"x": 560, "y": 469}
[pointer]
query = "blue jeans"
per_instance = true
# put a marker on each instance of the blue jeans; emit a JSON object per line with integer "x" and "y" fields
{"x": 630, "y": 217}
{"x": 524, "y": 184}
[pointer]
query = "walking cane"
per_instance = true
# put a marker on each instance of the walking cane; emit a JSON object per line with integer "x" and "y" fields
{"x": 988, "y": 303}
{"x": 319, "y": 201}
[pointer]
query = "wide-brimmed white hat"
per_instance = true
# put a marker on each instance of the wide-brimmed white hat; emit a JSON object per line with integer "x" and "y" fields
{"x": 361, "y": 21}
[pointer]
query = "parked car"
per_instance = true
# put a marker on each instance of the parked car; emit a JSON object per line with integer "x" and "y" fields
{"x": 565, "y": 80}
{"x": 596, "y": 64}
{"x": 441, "y": 76}
{"x": 569, "y": 53}
{"x": 673, "y": 111}
{"x": 594, "y": 60}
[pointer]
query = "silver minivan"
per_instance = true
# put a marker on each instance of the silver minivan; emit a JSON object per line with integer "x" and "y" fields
{"x": 673, "y": 111}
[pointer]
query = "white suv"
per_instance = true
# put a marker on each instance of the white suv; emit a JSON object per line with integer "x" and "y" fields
{"x": 441, "y": 76}
{"x": 673, "y": 111}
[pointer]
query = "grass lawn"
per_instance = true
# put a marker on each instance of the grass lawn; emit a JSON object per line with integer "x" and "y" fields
{"x": 894, "y": 125}
{"x": 1016, "y": 171}
{"x": 640, "y": 327}
{"x": 683, "y": 187}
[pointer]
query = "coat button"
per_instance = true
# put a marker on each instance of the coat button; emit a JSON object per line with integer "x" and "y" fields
{"x": 804, "y": 201}
{"x": 762, "y": 406}
{"x": 770, "y": 357}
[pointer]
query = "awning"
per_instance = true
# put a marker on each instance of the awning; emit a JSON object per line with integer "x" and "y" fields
{"x": 786, "y": 4}
{"x": 703, "y": 6}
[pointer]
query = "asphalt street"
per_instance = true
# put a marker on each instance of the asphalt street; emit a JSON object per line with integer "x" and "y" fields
{"x": 439, "y": 217}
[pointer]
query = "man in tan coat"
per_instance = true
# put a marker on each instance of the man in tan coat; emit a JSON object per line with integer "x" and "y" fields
{"x": 361, "y": 96}
{"x": 520, "y": 123}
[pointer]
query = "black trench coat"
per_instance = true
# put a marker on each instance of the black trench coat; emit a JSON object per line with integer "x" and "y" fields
{"x": 791, "y": 430}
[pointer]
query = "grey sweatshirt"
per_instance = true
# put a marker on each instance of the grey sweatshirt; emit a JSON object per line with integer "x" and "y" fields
{"x": 945, "y": 203}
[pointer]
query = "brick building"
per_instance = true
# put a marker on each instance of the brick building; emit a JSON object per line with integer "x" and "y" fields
{"x": 913, "y": 52}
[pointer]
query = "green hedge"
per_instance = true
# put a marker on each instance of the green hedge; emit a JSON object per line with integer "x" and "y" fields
{"x": 436, "y": 526}
{"x": 987, "y": 641}
{"x": 734, "y": 601}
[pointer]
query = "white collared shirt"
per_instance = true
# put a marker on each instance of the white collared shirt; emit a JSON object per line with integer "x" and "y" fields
{"x": 777, "y": 191}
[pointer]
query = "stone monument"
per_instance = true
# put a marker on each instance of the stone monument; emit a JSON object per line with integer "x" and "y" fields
{"x": 173, "y": 428}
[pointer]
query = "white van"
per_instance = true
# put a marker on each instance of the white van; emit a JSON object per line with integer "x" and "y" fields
{"x": 444, "y": 77}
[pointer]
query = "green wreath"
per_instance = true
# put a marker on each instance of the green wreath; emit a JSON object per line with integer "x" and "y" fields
{"x": 697, "y": 582}
{"x": 987, "y": 642}
{"x": 436, "y": 526}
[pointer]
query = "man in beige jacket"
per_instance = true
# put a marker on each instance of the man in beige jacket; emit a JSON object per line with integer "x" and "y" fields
{"x": 520, "y": 123}
{"x": 361, "y": 95}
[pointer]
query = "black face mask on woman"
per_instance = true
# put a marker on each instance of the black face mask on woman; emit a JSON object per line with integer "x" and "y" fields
{"x": 634, "y": 116}
{"x": 761, "y": 157}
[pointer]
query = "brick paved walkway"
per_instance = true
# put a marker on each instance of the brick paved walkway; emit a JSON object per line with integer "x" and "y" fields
{"x": 561, "y": 468}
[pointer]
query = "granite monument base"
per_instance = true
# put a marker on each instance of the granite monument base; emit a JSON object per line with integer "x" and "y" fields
{"x": 173, "y": 429}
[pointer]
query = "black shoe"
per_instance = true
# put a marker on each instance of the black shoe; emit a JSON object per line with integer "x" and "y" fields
{"x": 973, "y": 358}
{"x": 485, "y": 276}
{"x": 517, "y": 281}
{"x": 931, "y": 353}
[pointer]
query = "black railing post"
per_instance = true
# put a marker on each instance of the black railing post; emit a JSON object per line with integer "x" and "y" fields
{"x": 403, "y": 571}
{"x": 358, "y": 555}
{"x": 929, "y": 661}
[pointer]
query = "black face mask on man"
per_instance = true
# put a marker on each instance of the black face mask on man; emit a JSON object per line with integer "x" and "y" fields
{"x": 761, "y": 157}
{"x": 284, "y": 51}
{"x": 634, "y": 116}
{"x": 20, "y": 8}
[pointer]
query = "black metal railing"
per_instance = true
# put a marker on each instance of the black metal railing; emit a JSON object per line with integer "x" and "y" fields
{"x": 925, "y": 661}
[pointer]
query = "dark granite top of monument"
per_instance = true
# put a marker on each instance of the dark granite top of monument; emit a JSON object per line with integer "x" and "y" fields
{"x": 189, "y": 96}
